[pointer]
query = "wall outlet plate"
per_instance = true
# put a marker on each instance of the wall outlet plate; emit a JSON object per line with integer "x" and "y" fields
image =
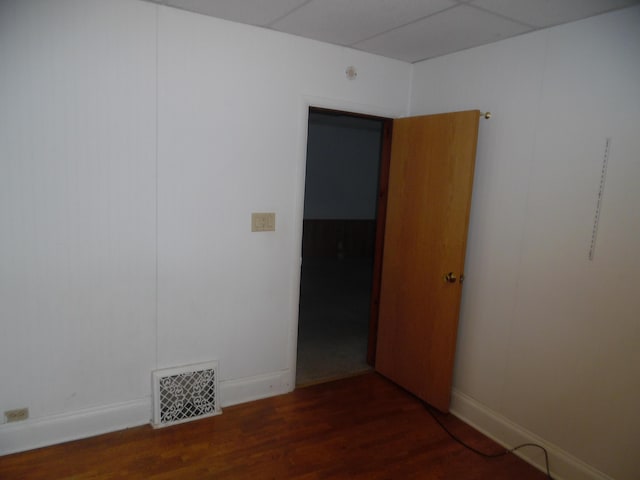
{"x": 17, "y": 415}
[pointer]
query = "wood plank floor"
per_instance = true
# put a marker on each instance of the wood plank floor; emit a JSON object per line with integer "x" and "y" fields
{"x": 362, "y": 427}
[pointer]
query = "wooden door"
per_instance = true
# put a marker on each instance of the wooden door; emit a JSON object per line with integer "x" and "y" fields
{"x": 429, "y": 198}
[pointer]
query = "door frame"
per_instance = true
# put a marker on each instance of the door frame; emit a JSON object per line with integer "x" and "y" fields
{"x": 387, "y": 118}
{"x": 381, "y": 218}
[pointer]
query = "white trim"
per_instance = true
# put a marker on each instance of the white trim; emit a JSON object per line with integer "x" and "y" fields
{"x": 233, "y": 392}
{"x": 346, "y": 106}
{"x": 410, "y": 95}
{"x": 563, "y": 465}
{"x": 41, "y": 432}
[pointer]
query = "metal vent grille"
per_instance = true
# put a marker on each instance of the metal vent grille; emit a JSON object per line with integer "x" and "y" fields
{"x": 185, "y": 393}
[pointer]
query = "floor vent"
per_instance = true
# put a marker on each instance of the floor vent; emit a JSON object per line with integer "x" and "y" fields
{"x": 185, "y": 393}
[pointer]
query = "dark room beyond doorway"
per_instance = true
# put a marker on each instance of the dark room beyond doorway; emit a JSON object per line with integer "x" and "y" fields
{"x": 339, "y": 229}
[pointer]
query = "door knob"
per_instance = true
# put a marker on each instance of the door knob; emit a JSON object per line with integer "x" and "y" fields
{"x": 450, "y": 277}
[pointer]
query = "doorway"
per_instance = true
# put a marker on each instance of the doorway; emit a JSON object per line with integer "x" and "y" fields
{"x": 341, "y": 211}
{"x": 415, "y": 300}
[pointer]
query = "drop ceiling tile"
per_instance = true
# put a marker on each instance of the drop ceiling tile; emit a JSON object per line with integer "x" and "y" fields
{"x": 253, "y": 12}
{"x": 452, "y": 30}
{"x": 346, "y": 22}
{"x": 544, "y": 13}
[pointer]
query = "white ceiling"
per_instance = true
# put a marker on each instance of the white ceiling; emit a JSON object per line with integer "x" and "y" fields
{"x": 409, "y": 30}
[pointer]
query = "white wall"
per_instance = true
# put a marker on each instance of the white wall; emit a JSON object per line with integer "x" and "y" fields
{"x": 135, "y": 141}
{"x": 549, "y": 341}
{"x": 77, "y": 215}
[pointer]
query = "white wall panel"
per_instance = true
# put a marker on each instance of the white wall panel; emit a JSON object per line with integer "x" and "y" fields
{"x": 548, "y": 339}
{"x": 77, "y": 205}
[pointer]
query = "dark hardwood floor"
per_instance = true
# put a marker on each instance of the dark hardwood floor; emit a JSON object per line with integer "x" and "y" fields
{"x": 362, "y": 427}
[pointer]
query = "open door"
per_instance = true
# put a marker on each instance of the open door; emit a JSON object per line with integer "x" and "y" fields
{"x": 429, "y": 198}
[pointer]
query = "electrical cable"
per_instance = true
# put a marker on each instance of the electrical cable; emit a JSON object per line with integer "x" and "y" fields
{"x": 489, "y": 455}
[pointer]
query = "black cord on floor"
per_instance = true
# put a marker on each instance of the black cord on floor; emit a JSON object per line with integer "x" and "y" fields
{"x": 490, "y": 455}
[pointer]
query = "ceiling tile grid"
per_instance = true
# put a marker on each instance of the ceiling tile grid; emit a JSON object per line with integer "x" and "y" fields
{"x": 253, "y": 12}
{"x": 349, "y": 22}
{"x": 449, "y": 31}
{"x": 545, "y": 13}
{"x": 409, "y": 30}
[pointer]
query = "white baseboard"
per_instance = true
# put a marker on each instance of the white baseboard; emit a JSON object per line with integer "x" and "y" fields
{"x": 563, "y": 465}
{"x": 41, "y": 432}
{"x": 233, "y": 392}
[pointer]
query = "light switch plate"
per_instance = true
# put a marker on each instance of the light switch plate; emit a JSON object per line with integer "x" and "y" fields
{"x": 263, "y": 222}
